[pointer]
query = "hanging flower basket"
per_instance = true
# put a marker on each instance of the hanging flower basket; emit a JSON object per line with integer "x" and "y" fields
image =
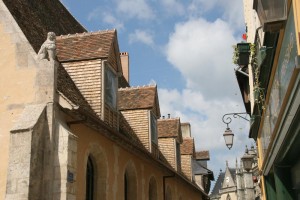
{"x": 241, "y": 54}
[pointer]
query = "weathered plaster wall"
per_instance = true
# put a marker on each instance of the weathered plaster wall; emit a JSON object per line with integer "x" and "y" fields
{"x": 112, "y": 160}
{"x": 17, "y": 81}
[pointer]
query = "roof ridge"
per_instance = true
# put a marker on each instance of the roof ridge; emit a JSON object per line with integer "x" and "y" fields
{"x": 138, "y": 87}
{"x": 86, "y": 33}
{"x": 174, "y": 118}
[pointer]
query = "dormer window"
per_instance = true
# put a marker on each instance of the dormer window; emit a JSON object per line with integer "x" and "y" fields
{"x": 110, "y": 87}
{"x": 178, "y": 155}
{"x": 153, "y": 128}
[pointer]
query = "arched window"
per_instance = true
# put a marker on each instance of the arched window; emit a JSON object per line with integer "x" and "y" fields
{"x": 152, "y": 189}
{"x": 228, "y": 197}
{"x": 130, "y": 183}
{"x": 89, "y": 180}
{"x": 168, "y": 193}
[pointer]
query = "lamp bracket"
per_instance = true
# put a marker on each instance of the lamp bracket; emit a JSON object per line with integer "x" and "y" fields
{"x": 227, "y": 119}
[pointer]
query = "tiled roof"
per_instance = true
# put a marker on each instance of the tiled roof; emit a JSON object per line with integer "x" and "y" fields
{"x": 37, "y": 18}
{"x": 202, "y": 155}
{"x": 187, "y": 146}
{"x": 85, "y": 45}
{"x": 138, "y": 98}
{"x": 169, "y": 128}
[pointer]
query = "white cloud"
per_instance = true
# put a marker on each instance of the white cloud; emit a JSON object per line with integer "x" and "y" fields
{"x": 202, "y": 52}
{"x": 95, "y": 14}
{"x": 173, "y": 7}
{"x": 135, "y": 9}
{"x": 110, "y": 19}
{"x": 205, "y": 116}
{"x": 106, "y": 17}
{"x": 142, "y": 36}
{"x": 231, "y": 12}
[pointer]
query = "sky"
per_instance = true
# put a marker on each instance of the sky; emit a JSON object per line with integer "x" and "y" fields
{"x": 185, "y": 48}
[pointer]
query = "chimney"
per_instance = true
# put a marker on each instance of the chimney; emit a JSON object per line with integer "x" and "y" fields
{"x": 125, "y": 65}
{"x": 186, "y": 130}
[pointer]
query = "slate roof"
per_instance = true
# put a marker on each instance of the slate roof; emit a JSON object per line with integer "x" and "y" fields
{"x": 85, "y": 46}
{"x": 199, "y": 169}
{"x": 202, "y": 155}
{"x": 169, "y": 128}
{"x": 187, "y": 147}
{"x": 218, "y": 184}
{"x": 37, "y": 18}
{"x": 138, "y": 98}
{"x": 220, "y": 180}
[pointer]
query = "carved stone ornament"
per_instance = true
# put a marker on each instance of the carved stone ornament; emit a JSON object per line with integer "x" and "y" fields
{"x": 48, "y": 49}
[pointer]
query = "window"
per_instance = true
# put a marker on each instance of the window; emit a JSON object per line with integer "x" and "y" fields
{"x": 178, "y": 155}
{"x": 110, "y": 82}
{"x": 130, "y": 183}
{"x": 153, "y": 128}
{"x": 89, "y": 180}
{"x": 228, "y": 197}
{"x": 152, "y": 189}
{"x": 125, "y": 187}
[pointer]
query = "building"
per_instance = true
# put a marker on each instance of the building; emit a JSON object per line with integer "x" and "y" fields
{"x": 71, "y": 125}
{"x": 238, "y": 183}
{"x": 271, "y": 85}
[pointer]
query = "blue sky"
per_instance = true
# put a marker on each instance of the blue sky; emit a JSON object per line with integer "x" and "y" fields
{"x": 185, "y": 47}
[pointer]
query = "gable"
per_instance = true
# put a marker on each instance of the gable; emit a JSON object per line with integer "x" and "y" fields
{"x": 139, "y": 98}
{"x": 47, "y": 16}
{"x": 85, "y": 46}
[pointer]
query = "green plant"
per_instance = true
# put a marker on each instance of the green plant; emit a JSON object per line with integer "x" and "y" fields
{"x": 235, "y": 56}
{"x": 258, "y": 91}
{"x": 241, "y": 54}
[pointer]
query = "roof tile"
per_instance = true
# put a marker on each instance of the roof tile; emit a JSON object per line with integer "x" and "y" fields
{"x": 137, "y": 98}
{"x": 169, "y": 128}
{"x": 202, "y": 155}
{"x": 187, "y": 147}
{"x": 37, "y": 18}
{"x": 84, "y": 46}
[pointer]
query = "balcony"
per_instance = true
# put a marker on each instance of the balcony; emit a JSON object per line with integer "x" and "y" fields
{"x": 272, "y": 13}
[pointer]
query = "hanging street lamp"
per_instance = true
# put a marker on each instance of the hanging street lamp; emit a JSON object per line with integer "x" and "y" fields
{"x": 228, "y": 134}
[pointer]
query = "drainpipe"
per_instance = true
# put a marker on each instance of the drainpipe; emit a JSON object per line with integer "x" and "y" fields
{"x": 164, "y": 184}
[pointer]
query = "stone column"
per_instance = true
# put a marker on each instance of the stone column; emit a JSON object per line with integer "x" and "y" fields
{"x": 249, "y": 187}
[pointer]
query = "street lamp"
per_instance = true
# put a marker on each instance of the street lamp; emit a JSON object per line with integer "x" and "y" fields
{"x": 228, "y": 137}
{"x": 228, "y": 134}
{"x": 247, "y": 160}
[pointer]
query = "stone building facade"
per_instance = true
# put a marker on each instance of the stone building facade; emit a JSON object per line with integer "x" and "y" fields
{"x": 238, "y": 183}
{"x": 71, "y": 125}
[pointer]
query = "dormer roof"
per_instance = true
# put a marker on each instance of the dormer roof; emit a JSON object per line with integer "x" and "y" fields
{"x": 134, "y": 98}
{"x": 169, "y": 128}
{"x": 202, "y": 155}
{"x": 187, "y": 147}
{"x": 85, "y": 46}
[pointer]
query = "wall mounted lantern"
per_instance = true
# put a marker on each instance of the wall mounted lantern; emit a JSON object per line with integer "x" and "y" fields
{"x": 247, "y": 160}
{"x": 228, "y": 134}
